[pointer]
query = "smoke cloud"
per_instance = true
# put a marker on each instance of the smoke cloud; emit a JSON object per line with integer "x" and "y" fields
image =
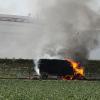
{"x": 63, "y": 28}
{"x": 70, "y": 30}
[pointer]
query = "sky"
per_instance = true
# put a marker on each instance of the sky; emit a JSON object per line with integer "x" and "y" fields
{"x": 24, "y": 7}
{"x": 18, "y": 44}
{"x": 18, "y": 7}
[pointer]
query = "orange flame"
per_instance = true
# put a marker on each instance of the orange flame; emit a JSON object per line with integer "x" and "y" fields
{"x": 67, "y": 77}
{"x": 78, "y": 70}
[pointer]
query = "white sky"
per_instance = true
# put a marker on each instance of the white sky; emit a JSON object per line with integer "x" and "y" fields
{"x": 25, "y": 7}
{"x": 18, "y": 7}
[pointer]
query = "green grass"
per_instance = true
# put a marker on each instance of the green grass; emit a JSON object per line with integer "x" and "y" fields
{"x": 49, "y": 90}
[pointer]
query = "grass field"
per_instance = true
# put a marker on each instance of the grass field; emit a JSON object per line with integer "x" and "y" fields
{"x": 49, "y": 90}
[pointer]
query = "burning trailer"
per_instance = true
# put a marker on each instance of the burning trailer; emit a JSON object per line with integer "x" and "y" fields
{"x": 63, "y": 69}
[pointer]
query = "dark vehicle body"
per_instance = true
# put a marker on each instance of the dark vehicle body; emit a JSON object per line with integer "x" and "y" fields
{"x": 55, "y": 67}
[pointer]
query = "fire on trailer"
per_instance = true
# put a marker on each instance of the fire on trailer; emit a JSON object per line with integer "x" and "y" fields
{"x": 64, "y": 69}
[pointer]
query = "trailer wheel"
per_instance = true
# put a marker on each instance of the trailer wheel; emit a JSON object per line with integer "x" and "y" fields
{"x": 44, "y": 76}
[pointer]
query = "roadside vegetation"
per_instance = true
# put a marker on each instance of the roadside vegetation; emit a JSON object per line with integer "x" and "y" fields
{"x": 49, "y": 90}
